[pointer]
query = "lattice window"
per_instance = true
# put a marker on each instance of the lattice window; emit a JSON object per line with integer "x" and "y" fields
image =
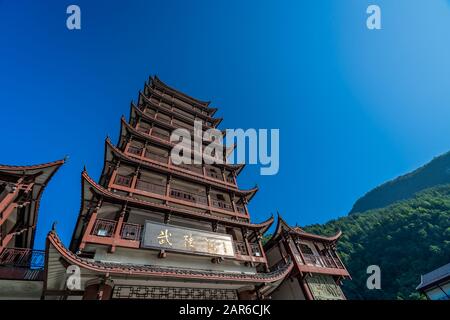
{"x": 148, "y": 292}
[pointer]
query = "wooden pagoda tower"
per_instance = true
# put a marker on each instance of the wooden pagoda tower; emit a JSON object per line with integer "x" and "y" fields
{"x": 150, "y": 229}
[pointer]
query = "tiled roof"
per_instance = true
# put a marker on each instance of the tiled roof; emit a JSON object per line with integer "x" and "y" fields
{"x": 434, "y": 276}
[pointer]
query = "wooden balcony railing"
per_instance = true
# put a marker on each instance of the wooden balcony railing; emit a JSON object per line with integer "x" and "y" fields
{"x": 191, "y": 167}
{"x": 135, "y": 150}
{"x": 230, "y": 180}
{"x": 160, "y": 135}
{"x": 143, "y": 129}
{"x": 156, "y": 157}
{"x": 214, "y": 175}
{"x": 163, "y": 118}
{"x": 240, "y": 248}
{"x": 131, "y": 231}
{"x": 123, "y": 180}
{"x": 256, "y": 251}
{"x": 321, "y": 260}
{"x": 104, "y": 228}
{"x": 221, "y": 205}
{"x": 188, "y": 196}
{"x": 22, "y": 258}
{"x": 151, "y": 187}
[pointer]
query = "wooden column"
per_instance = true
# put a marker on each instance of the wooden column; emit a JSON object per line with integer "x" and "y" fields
{"x": 233, "y": 204}
{"x": 263, "y": 254}
{"x": 247, "y": 244}
{"x": 168, "y": 186}
{"x": 114, "y": 175}
{"x": 134, "y": 181}
{"x": 208, "y": 195}
{"x": 244, "y": 202}
{"x": 90, "y": 225}
{"x": 117, "y": 232}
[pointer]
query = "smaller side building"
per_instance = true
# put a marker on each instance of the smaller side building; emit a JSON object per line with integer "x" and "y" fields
{"x": 318, "y": 270}
{"x": 21, "y": 267}
{"x": 435, "y": 285}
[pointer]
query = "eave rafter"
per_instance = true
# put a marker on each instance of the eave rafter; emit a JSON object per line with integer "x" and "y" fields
{"x": 126, "y": 127}
{"x": 111, "y": 149}
{"x": 104, "y": 193}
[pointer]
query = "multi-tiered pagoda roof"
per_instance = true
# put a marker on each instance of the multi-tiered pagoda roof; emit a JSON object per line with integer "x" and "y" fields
{"x": 171, "y": 231}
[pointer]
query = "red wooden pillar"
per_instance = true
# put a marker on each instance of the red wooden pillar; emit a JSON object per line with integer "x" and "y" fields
{"x": 90, "y": 225}
{"x": 112, "y": 180}
{"x": 168, "y": 182}
{"x": 247, "y": 244}
{"x": 261, "y": 249}
{"x": 134, "y": 181}
{"x": 233, "y": 203}
{"x": 117, "y": 232}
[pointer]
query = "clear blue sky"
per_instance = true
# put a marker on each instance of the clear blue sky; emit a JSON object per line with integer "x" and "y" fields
{"x": 354, "y": 107}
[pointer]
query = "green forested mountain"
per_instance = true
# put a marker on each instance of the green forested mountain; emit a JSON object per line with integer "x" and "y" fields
{"x": 405, "y": 239}
{"x": 434, "y": 173}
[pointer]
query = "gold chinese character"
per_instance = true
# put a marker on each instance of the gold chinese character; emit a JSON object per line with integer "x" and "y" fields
{"x": 164, "y": 237}
{"x": 189, "y": 241}
{"x": 224, "y": 247}
{"x": 211, "y": 245}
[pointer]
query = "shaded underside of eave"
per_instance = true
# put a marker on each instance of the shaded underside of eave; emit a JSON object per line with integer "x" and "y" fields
{"x": 89, "y": 186}
{"x": 125, "y": 128}
{"x": 56, "y": 251}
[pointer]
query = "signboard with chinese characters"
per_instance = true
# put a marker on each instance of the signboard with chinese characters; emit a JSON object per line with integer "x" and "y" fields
{"x": 168, "y": 237}
{"x": 324, "y": 288}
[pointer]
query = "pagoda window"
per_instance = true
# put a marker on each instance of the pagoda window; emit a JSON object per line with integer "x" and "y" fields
{"x": 144, "y": 127}
{"x": 197, "y": 168}
{"x": 154, "y": 100}
{"x": 124, "y": 176}
{"x": 181, "y": 124}
{"x": 151, "y": 182}
{"x": 240, "y": 206}
{"x": 222, "y": 201}
{"x": 182, "y": 103}
{"x": 184, "y": 113}
{"x": 214, "y": 173}
{"x": 149, "y": 111}
{"x": 165, "y": 106}
{"x": 305, "y": 249}
{"x": 188, "y": 192}
{"x": 135, "y": 148}
{"x": 161, "y": 133}
{"x": 163, "y": 117}
{"x": 165, "y": 95}
{"x": 229, "y": 177}
{"x": 157, "y": 154}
